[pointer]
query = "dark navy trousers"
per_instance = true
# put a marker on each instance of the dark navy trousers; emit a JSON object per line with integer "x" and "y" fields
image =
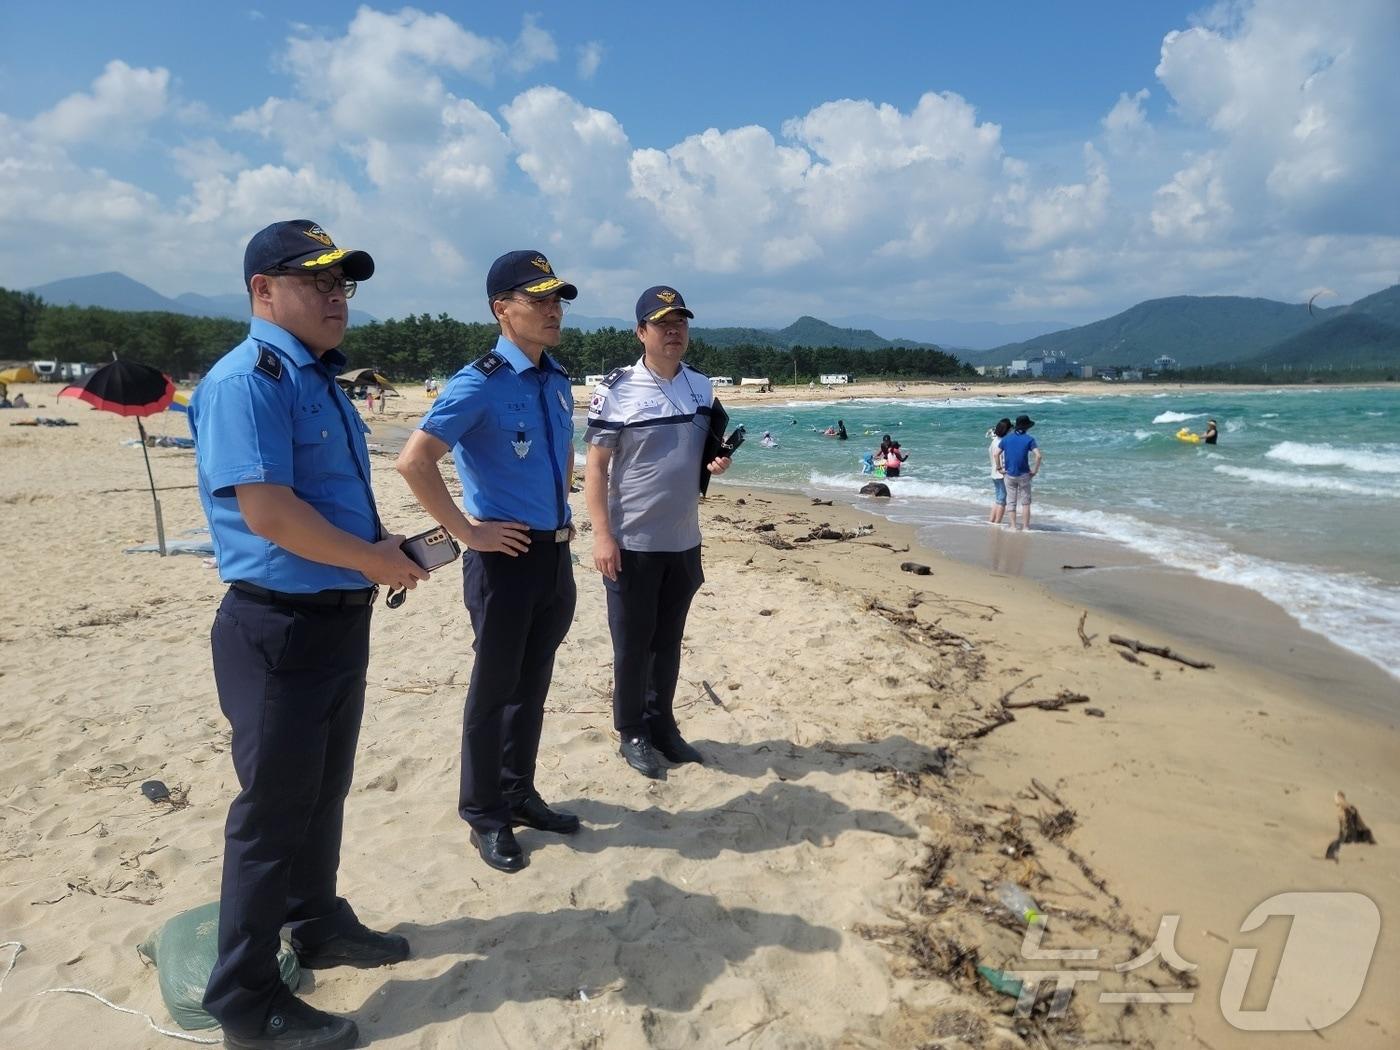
{"x": 520, "y": 609}
{"x": 291, "y": 682}
{"x": 647, "y": 607}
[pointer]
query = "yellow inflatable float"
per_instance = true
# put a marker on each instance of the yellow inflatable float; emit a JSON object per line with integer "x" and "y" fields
{"x": 1185, "y": 435}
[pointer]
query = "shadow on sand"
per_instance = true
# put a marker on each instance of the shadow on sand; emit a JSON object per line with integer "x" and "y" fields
{"x": 660, "y": 948}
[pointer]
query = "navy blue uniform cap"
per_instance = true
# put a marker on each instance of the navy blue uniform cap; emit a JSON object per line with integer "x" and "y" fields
{"x": 301, "y": 246}
{"x": 659, "y": 301}
{"x": 527, "y": 272}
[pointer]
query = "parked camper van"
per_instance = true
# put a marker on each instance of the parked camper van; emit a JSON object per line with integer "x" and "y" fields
{"x": 47, "y": 371}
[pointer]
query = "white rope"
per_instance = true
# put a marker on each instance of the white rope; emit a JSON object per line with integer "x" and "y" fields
{"x": 13, "y": 959}
{"x": 126, "y": 1010}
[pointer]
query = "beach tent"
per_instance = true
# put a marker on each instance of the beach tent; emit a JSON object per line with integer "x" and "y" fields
{"x": 21, "y": 374}
{"x": 364, "y": 377}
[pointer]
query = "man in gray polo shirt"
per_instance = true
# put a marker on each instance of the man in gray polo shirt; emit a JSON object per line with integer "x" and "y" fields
{"x": 646, "y": 435}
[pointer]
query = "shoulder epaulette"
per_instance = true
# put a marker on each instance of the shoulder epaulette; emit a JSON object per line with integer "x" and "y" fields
{"x": 489, "y": 363}
{"x": 269, "y": 363}
{"x": 617, "y": 373}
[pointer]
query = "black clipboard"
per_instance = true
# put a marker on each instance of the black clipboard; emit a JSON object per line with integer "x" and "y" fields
{"x": 714, "y": 442}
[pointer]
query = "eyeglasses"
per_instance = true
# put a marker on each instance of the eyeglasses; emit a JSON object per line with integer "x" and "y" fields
{"x": 324, "y": 281}
{"x": 552, "y": 300}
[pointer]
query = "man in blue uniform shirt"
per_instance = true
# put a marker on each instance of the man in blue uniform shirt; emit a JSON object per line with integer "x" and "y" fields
{"x": 284, "y": 479}
{"x": 508, "y": 420}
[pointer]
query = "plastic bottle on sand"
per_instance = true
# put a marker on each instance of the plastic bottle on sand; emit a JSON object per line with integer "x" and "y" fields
{"x": 1019, "y": 903}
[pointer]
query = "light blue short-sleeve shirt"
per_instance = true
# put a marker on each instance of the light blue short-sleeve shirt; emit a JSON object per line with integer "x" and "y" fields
{"x": 269, "y": 412}
{"x": 510, "y": 425}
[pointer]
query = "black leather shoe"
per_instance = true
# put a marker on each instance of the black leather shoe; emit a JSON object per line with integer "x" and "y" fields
{"x": 640, "y": 756}
{"x": 499, "y": 849}
{"x": 673, "y": 748}
{"x": 361, "y": 947}
{"x": 535, "y": 813}
{"x": 295, "y": 1025}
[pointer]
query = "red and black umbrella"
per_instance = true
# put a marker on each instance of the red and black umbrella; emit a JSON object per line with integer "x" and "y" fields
{"x": 126, "y": 388}
{"x": 129, "y": 389}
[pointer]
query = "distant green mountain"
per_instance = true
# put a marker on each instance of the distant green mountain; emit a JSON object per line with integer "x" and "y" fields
{"x": 805, "y": 331}
{"x": 1349, "y": 340}
{"x": 1383, "y": 306}
{"x": 1195, "y": 330}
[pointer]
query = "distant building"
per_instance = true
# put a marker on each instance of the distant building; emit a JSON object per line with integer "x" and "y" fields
{"x": 1086, "y": 371}
{"x": 1164, "y": 363}
{"x": 1020, "y": 367}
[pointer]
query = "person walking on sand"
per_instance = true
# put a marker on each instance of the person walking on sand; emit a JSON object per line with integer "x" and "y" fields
{"x": 508, "y": 420}
{"x": 998, "y": 477}
{"x": 1019, "y": 459}
{"x": 283, "y": 473}
{"x": 647, "y": 425}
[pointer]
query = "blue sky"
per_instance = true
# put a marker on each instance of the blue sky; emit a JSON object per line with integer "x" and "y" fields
{"x": 998, "y": 161}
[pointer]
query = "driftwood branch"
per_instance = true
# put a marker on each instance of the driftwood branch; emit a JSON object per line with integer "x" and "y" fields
{"x": 1157, "y": 650}
{"x": 1085, "y": 638}
{"x": 1055, "y": 703}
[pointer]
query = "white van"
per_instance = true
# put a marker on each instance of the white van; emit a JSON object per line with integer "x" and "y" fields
{"x": 47, "y": 371}
{"x": 721, "y": 381}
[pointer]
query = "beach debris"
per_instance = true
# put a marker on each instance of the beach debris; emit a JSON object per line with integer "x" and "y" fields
{"x": 1069, "y": 568}
{"x": 156, "y": 791}
{"x": 820, "y": 502}
{"x": 1003, "y": 983}
{"x": 1046, "y": 792}
{"x": 1056, "y": 703}
{"x": 766, "y": 526}
{"x": 1350, "y": 828}
{"x": 714, "y": 696}
{"x": 916, "y": 568}
{"x": 1158, "y": 650}
{"x": 1131, "y": 658}
{"x": 1019, "y": 903}
{"x": 874, "y": 488}
{"x": 1094, "y": 712}
{"x": 1085, "y": 638}
{"x": 1055, "y": 826}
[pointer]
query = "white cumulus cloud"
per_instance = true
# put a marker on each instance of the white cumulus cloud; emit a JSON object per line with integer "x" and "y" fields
{"x": 122, "y": 99}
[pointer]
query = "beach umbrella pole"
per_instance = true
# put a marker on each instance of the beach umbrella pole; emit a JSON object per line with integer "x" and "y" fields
{"x": 160, "y": 523}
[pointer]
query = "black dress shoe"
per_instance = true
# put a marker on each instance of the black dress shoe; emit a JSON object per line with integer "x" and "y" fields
{"x": 640, "y": 756}
{"x": 535, "y": 813}
{"x": 499, "y": 849}
{"x": 360, "y": 947}
{"x": 674, "y": 748}
{"x": 295, "y": 1025}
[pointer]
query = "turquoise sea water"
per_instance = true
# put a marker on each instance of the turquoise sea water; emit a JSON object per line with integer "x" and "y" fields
{"x": 1298, "y": 501}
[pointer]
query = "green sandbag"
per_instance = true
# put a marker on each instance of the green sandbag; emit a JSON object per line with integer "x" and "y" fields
{"x": 184, "y": 950}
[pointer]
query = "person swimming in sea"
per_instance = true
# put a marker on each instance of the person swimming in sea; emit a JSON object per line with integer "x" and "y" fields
{"x": 1211, "y": 432}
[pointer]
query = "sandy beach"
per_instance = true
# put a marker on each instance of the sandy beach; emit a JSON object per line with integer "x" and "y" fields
{"x": 827, "y": 879}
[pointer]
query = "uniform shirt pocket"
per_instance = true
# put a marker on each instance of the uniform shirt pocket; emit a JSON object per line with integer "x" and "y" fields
{"x": 319, "y": 449}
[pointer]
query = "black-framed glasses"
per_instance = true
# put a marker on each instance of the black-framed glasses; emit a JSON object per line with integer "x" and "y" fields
{"x": 324, "y": 281}
{"x": 552, "y": 300}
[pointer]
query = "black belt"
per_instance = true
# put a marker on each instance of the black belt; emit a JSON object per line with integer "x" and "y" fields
{"x": 333, "y": 599}
{"x": 552, "y": 535}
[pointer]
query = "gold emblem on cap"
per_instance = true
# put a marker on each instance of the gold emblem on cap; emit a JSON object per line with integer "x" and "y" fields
{"x": 547, "y": 285}
{"x": 320, "y": 236}
{"x": 666, "y": 297}
{"x": 542, "y": 263}
{"x": 326, "y": 258}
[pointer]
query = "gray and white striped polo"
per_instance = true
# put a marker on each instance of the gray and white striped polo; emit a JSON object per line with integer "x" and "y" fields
{"x": 656, "y": 429}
